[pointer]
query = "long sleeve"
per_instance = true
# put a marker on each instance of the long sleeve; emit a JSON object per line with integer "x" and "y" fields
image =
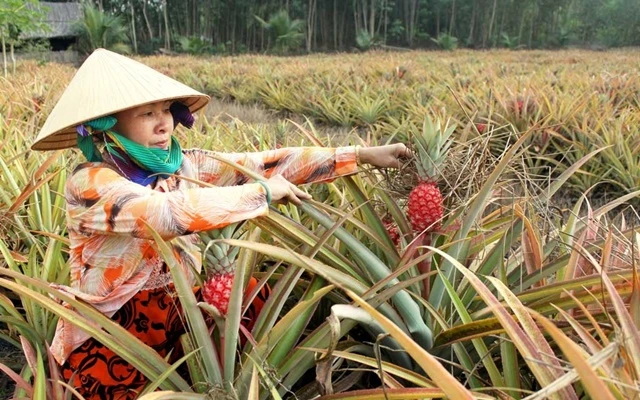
{"x": 100, "y": 201}
{"x": 297, "y": 164}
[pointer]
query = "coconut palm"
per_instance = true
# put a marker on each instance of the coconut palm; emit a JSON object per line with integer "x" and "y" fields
{"x": 288, "y": 32}
{"x": 101, "y": 30}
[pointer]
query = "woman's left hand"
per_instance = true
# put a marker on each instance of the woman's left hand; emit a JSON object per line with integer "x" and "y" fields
{"x": 388, "y": 156}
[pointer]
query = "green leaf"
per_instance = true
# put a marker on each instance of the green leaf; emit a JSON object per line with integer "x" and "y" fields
{"x": 195, "y": 320}
{"x": 131, "y": 349}
{"x": 446, "y": 382}
{"x": 437, "y": 296}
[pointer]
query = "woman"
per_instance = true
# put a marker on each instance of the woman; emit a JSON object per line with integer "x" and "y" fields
{"x": 135, "y": 181}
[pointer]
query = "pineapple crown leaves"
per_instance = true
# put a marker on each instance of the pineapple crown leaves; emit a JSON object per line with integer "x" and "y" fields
{"x": 220, "y": 256}
{"x": 432, "y": 145}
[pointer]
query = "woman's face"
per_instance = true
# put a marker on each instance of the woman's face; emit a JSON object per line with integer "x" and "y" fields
{"x": 150, "y": 125}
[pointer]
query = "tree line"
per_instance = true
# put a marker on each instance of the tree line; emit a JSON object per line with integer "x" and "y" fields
{"x": 295, "y": 26}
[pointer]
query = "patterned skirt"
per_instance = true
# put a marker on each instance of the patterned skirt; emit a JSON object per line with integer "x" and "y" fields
{"x": 153, "y": 316}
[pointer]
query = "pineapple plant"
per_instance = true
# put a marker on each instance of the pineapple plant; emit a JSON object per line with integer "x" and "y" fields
{"x": 521, "y": 106}
{"x": 219, "y": 261}
{"x": 400, "y": 71}
{"x": 425, "y": 206}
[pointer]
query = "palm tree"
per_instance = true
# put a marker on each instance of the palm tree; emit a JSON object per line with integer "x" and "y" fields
{"x": 101, "y": 30}
{"x": 288, "y": 32}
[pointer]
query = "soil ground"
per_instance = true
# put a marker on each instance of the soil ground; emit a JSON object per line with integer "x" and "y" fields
{"x": 14, "y": 359}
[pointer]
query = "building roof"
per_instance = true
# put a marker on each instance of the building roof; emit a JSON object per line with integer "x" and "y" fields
{"x": 61, "y": 18}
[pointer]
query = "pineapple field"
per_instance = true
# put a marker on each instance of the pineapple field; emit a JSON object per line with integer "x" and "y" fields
{"x": 499, "y": 262}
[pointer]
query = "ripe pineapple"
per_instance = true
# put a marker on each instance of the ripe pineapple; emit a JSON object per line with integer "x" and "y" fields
{"x": 392, "y": 231}
{"x": 219, "y": 260}
{"x": 424, "y": 206}
{"x": 217, "y": 290}
{"x": 522, "y": 106}
{"x": 400, "y": 71}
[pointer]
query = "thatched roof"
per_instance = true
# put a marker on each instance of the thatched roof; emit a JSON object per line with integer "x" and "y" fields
{"x": 60, "y": 18}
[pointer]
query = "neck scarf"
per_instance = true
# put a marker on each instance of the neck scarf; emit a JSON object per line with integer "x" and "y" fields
{"x": 138, "y": 163}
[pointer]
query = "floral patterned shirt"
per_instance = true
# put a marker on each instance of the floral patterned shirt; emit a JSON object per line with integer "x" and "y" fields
{"x": 111, "y": 252}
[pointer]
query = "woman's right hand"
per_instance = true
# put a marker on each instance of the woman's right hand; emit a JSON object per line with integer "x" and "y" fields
{"x": 283, "y": 191}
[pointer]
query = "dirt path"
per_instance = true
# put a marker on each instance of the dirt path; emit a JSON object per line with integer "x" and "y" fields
{"x": 256, "y": 114}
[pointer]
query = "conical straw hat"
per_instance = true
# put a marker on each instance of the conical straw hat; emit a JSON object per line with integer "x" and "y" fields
{"x": 105, "y": 84}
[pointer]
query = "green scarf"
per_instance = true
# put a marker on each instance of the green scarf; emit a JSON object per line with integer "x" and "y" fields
{"x": 153, "y": 159}
{"x": 149, "y": 159}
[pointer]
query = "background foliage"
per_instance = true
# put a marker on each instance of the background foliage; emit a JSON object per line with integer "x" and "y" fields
{"x": 334, "y": 25}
